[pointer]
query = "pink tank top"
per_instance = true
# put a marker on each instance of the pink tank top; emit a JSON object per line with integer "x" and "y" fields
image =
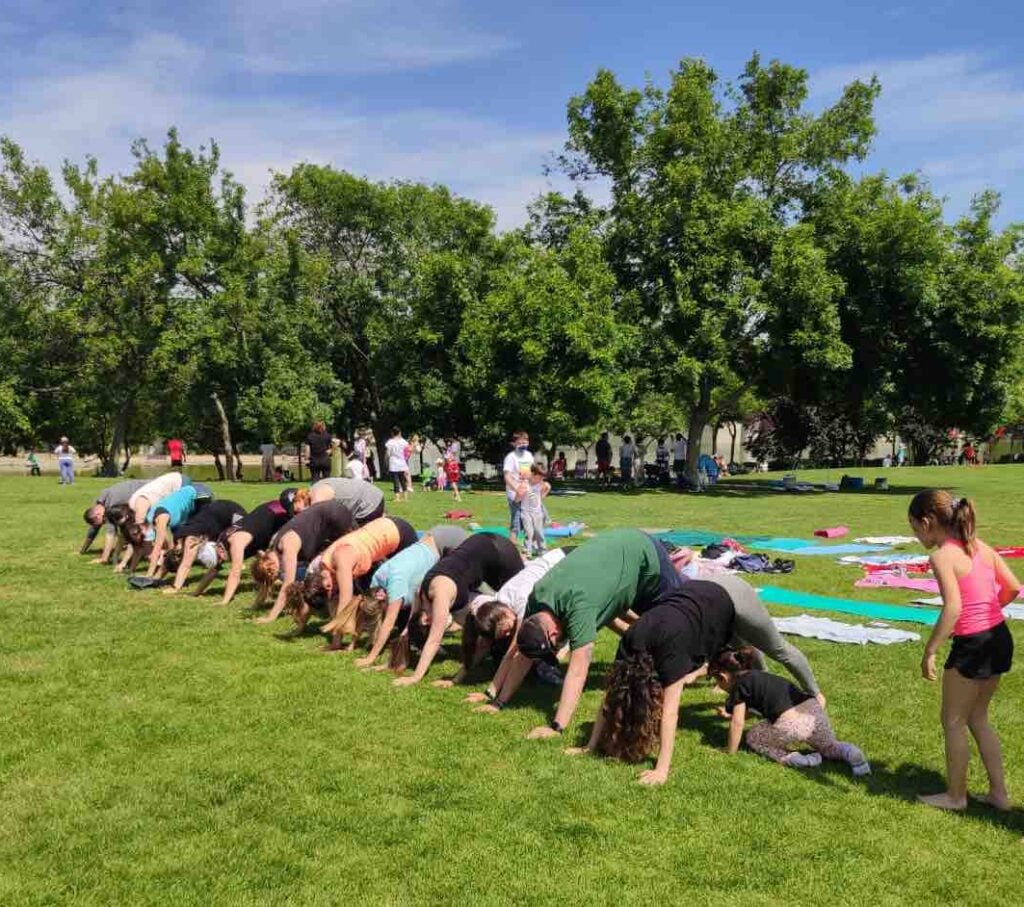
{"x": 979, "y": 597}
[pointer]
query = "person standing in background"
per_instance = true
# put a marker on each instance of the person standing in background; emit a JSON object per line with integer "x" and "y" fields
{"x": 318, "y": 451}
{"x": 516, "y": 472}
{"x": 661, "y": 458}
{"x": 267, "y": 452}
{"x": 66, "y": 461}
{"x": 176, "y": 452}
{"x": 627, "y": 454}
{"x": 398, "y": 464}
{"x": 339, "y": 462}
{"x": 603, "y": 450}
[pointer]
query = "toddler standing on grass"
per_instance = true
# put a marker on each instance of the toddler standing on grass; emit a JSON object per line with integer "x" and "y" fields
{"x": 533, "y": 510}
{"x": 975, "y": 584}
{"x": 791, "y": 716}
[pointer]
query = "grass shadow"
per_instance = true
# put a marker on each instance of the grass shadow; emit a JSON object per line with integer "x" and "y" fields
{"x": 905, "y": 781}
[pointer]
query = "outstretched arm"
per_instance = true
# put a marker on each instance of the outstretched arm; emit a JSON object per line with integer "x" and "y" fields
{"x": 739, "y": 718}
{"x": 236, "y": 553}
{"x": 669, "y": 721}
{"x": 438, "y": 620}
{"x": 289, "y": 553}
{"x": 572, "y": 689}
{"x": 188, "y": 558}
{"x": 383, "y": 634}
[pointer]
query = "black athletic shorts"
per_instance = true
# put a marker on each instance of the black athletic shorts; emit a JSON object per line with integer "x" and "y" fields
{"x": 396, "y": 481}
{"x": 979, "y": 656}
{"x": 375, "y": 514}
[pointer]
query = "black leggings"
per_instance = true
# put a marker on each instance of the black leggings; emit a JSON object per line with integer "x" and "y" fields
{"x": 319, "y": 468}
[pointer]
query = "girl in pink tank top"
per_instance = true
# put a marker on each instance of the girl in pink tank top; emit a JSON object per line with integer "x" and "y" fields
{"x": 976, "y": 584}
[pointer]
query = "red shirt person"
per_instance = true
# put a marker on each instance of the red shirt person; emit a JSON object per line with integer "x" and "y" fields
{"x": 176, "y": 451}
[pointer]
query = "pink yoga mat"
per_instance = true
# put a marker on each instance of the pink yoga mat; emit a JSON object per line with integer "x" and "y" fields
{"x": 836, "y": 532}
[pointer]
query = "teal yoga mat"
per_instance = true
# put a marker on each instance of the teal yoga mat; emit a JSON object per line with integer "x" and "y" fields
{"x": 774, "y": 595}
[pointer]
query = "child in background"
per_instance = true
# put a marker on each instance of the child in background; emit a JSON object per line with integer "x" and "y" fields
{"x": 533, "y": 510}
{"x": 791, "y": 716}
{"x": 440, "y": 479}
{"x": 33, "y": 464}
{"x": 452, "y": 472}
{"x": 66, "y": 461}
{"x": 975, "y": 584}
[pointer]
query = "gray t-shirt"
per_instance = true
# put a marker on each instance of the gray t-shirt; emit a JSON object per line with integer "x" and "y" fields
{"x": 119, "y": 493}
{"x": 447, "y": 537}
{"x": 362, "y": 498}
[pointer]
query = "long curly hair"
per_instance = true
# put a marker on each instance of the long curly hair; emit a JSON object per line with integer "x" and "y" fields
{"x": 264, "y": 571}
{"x": 632, "y": 709}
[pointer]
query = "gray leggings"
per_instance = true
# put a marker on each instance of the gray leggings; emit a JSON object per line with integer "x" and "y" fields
{"x": 754, "y": 627}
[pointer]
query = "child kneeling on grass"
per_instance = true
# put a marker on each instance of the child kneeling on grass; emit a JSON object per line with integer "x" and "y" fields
{"x": 792, "y": 717}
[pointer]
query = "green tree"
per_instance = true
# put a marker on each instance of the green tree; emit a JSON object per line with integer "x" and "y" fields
{"x": 705, "y": 182}
{"x": 541, "y": 350}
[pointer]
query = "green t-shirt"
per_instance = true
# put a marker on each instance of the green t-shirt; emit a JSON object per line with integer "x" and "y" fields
{"x": 599, "y": 581}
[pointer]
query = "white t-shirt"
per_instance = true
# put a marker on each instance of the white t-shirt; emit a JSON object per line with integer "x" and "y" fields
{"x": 679, "y": 449}
{"x": 516, "y": 591}
{"x": 65, "y": 456}
{"x": 396, "y": 454}
{"x": 359, "y": 449}
{"x": 267, "y": 450}
{"x": 627, "y": 451}
{"x": 160, "y": 487}
{"x": 519, "y": 464}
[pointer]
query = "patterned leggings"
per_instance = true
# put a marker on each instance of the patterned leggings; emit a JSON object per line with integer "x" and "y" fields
{"x": 805, "y": 723}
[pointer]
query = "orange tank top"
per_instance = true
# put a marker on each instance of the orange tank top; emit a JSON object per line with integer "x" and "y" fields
{"x": 373, "y": 542}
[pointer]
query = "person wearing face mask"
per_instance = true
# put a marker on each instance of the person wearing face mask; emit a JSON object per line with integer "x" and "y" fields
{"x": 516, "y": 470}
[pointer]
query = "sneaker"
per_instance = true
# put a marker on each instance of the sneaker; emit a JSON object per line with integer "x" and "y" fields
{"x": 803, "y": 760}
{"x": 858, "y": 764}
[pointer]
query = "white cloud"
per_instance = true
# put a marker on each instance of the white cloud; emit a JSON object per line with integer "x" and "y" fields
{"x": 957, "y": 117}
{"x": 160, "y": 80}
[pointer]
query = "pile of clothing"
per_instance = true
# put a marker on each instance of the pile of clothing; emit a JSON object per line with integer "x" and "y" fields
{"x": 730, "y": 554}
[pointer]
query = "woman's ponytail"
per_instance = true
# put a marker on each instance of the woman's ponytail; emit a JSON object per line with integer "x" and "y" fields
{"x": 965, "y": 523}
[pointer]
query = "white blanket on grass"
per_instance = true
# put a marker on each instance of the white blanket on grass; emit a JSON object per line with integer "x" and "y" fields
{"x": 837, "y": 631}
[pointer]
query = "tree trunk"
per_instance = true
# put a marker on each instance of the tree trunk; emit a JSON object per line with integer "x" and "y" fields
{"x": 109, "y": 459}
{"x": 732, "y": 442}
{"x": 219, "y": 464}
{"x": 238, "y": 462}
{"x": 127, "y": 460}
{"x": 225, "y": 431}
{"x": 700, "y": 416}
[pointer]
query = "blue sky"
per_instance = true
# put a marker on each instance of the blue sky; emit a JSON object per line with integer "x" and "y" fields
{"x": 473, "y": 94}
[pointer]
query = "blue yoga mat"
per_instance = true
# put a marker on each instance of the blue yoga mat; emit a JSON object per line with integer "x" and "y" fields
{"x": 773, "y": 595}
{"x": 565, "y": 531}
{"x": 836, "y": 550}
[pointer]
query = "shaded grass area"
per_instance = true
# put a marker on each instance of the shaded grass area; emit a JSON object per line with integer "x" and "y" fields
{"x": 157, "y": 749}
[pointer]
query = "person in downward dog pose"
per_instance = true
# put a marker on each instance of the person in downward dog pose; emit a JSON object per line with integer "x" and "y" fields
{"x": 493, "y": 620}
{"x": 205, "y": 526}
{"x": 606, "y": 577}
{"x": 153, "y": 491}
{"x": 396, "y": 583}
{"x": 331, "y": 581}
{"x": 448, "y": 587}
{"x": 791, "y": 716}
{"x": 364, "y": 499}
{"x": 253, "y": 533}
{"x": 661, "y": 653}
{"x": 754, "y": 627}
{"x": 98, "y": 514}
{"x": 299, "y": 541}
{"x": 976, "y": 584}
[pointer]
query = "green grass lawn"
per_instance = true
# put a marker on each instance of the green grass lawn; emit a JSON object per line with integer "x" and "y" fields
{"x": 166, "y": 750}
